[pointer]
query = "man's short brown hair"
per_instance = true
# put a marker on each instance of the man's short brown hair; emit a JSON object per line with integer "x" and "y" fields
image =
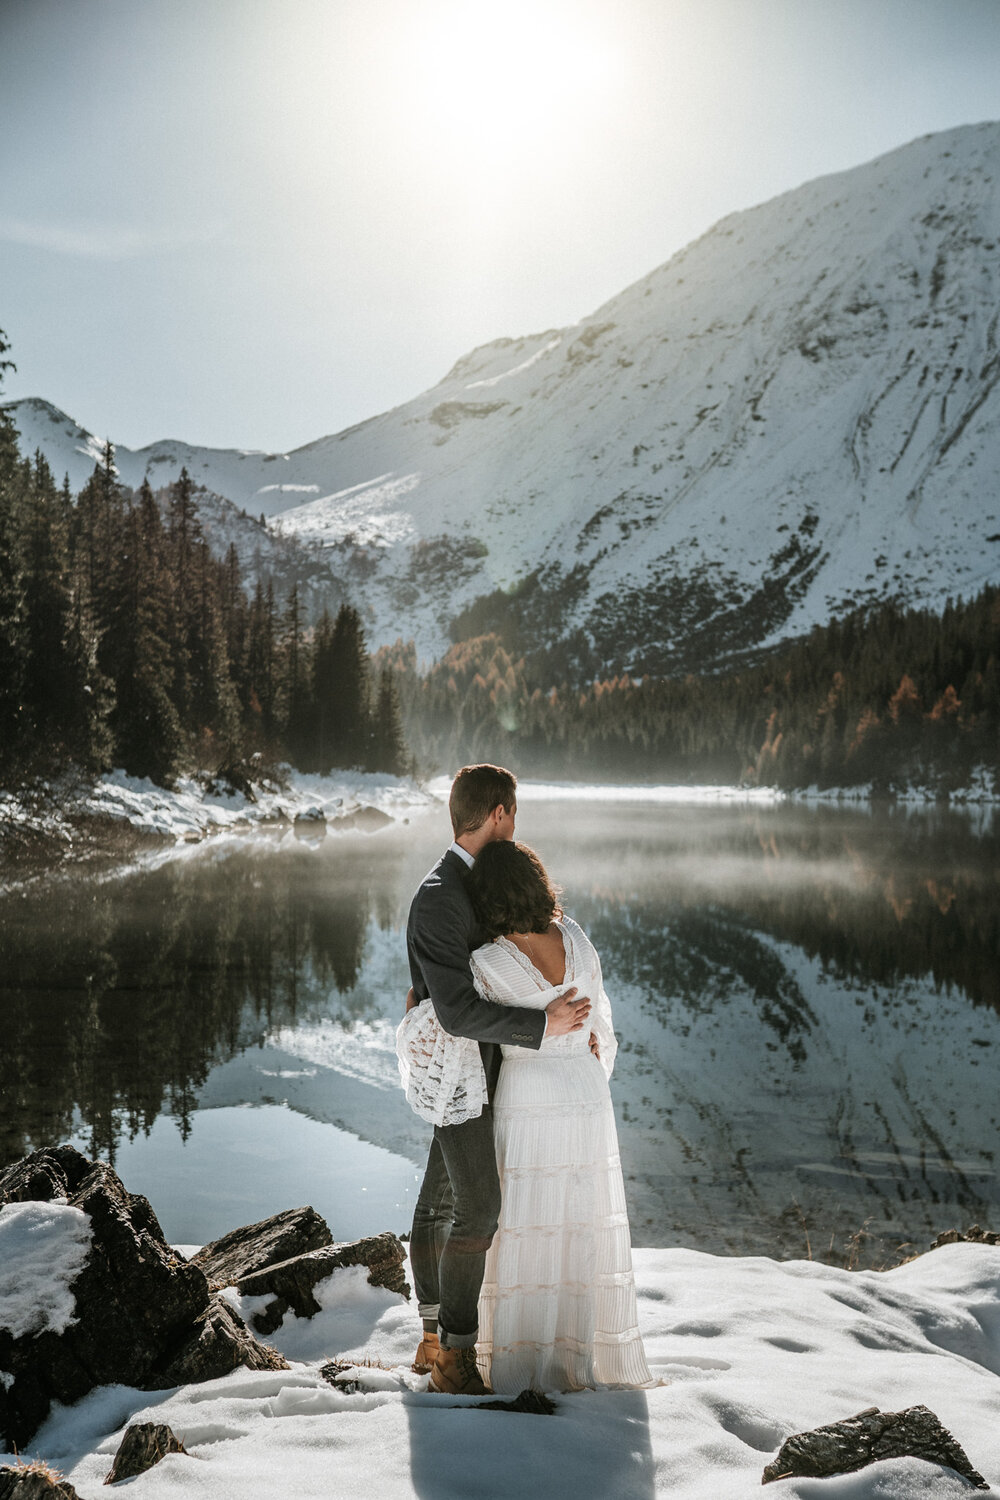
{"x": 476, "y": 792}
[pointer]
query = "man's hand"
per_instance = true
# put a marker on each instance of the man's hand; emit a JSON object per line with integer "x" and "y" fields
{"x": 595, "y": 1045}
{"x": 566, "y": 1014}
{"x": 411, "y": 999}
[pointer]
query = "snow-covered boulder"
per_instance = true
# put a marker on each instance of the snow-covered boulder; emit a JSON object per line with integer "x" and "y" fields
{"x": 291, "y": 1285}
{"x": 312, "y": 814}
{"x": 91, "y": 1294}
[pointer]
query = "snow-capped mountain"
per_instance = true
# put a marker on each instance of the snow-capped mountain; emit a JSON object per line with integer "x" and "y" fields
{"x": 795, "y": 414}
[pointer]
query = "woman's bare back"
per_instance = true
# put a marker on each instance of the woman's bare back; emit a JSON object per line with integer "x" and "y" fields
{"x": 546, "y": 950}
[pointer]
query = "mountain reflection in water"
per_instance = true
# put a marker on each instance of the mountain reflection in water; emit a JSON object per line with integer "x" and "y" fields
{"x": 807, "y": 1000}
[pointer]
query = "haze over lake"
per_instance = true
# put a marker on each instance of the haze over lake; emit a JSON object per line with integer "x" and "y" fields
{"x": 807, "y": 1001}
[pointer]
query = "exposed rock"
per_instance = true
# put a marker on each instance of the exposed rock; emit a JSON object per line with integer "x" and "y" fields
{"x": 857, "y": 1441}
{"x": 215, "y": 1344}
{"x": 234, "y": 778}
{"x": 973, "y": 1236}
{"x": 529, "y": 1403}
{"x": 367, "y": 819}
{"x": 291, "y": 1282}
{"x": 143, "y": 1445}
{"x": 310, "y": 815}
{"x": 243, "y": 1251}
{"x": 340, "y": 1374}
{"x": 34, "y": 1482}
{"x": 143, "y": 1317}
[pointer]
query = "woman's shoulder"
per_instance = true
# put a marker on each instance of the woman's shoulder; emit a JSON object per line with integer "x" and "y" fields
{"x": 496, "y": 972}
{"x": 572, "y": 927}
{"x": 488, "y": 955}
{"x": 584, "y": 953}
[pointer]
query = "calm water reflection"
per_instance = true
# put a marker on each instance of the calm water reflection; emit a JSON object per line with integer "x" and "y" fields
{"x": 807, "y": 1001}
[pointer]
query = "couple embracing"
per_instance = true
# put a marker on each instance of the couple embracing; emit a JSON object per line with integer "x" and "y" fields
{"x": 520, "y": 1247}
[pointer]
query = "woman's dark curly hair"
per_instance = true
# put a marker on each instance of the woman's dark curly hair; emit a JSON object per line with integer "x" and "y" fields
{"x": 511, "y": 891}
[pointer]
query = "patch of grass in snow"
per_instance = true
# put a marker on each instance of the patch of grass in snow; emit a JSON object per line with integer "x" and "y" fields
{"x": 37, "y": 1466}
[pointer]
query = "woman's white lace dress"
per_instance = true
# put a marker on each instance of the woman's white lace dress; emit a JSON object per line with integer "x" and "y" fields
{"x": 558, "y": 1308}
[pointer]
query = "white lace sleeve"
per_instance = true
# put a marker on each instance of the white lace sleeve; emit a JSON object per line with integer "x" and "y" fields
{"x": 442, "y": 1075}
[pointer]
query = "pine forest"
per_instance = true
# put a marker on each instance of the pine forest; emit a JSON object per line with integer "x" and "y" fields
{"x": 886, "y": 698}
{"x": 125, "y": 642}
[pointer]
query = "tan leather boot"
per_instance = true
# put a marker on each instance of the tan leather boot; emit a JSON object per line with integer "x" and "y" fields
{"x": 455, "y": 1374}
{"x": 427, "y": 1353}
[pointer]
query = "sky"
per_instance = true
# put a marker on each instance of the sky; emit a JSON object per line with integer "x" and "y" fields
{"x": 250, "y": 223}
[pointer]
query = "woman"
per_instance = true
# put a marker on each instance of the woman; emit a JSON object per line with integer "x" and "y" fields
{"x": 557, "y": 1309}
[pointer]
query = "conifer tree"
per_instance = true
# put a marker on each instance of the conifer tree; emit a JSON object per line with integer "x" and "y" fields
{"x": 326, "y": 727}
{"x": 388, "y": 750}
{"x": 147, "y": 727}
{"x": 213, "y": 705}
{"x": 348, "y": 675}
{"x": 96, "y": 535}
{"x": 258, "y": 673}
{"x": 184, "y": 531}
{"x": 296, "y": 695}
{"x": 48, "y": 612}
{"x": 12, "y": 639}
{"x": 86, "y": 709}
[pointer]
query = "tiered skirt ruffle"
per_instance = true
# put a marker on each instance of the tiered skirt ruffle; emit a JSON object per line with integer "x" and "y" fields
{"x": 558, "y": 1306}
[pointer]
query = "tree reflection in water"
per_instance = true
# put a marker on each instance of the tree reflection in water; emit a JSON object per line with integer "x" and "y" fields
{"x": 808, "y": 1003}
{"x": 118, "y": 998}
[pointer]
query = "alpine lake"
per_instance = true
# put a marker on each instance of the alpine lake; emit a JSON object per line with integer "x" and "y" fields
{"x": 807, "y": 999}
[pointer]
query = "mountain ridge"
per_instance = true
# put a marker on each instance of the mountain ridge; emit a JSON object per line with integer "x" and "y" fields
{"x": 791, "y": 417}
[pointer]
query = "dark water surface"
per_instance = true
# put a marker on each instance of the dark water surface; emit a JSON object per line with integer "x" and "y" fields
{"x": 807, "y": 999}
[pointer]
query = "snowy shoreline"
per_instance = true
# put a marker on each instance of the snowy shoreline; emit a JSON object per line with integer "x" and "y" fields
{"x": 197, "y": 808}
{"x": 124, "y": 818}
{"x": 979, "y": 792}
{"x": 750, "y": 1350}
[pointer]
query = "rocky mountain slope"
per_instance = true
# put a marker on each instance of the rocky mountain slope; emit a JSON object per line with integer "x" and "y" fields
{"x": 796, "y": 414}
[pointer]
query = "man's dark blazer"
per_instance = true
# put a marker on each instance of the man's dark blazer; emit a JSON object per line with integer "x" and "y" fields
{"x": 441, "y": 932}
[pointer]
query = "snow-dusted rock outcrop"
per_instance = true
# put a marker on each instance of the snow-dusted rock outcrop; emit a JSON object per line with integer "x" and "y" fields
{"x": 91, "y": 1294}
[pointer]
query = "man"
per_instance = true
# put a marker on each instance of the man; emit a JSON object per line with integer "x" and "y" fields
{"x": 459, "y": 1203}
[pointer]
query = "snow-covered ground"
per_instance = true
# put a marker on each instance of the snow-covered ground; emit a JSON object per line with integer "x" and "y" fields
{"x": 579, "y": 791}
{"x": 980, "y": 791}
{"x": 981, "y": 787}
{"x": 194, "y": 809}
{"x": 191, "y": 809}
{"x": 748, "y": 1352}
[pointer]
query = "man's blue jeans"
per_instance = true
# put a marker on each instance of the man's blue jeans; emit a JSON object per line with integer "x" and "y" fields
{"x": 453, "y": 1226}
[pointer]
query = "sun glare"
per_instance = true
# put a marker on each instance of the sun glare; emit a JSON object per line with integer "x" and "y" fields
{"x": 496, "y": 79}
